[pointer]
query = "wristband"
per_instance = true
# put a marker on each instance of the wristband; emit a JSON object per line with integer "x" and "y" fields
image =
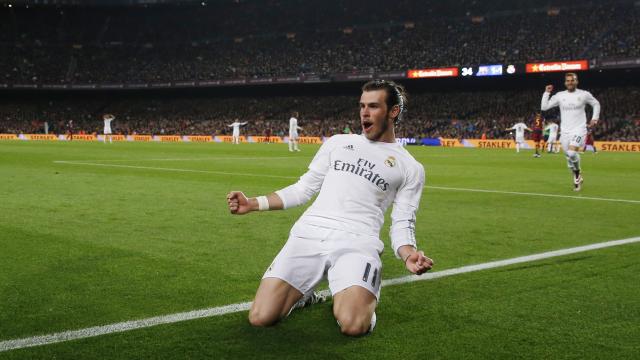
{"x": 407, "y": 258}
{"x": 263, "y": 203}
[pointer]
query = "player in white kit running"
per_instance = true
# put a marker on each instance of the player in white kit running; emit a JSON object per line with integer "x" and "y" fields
{"x": 573, "y": 120}
{"x": 553, "y": 137}
{"x": 108, "y": 118}
{"x": 519, "y": 128}
{"x": 236, "y": 131}
{"x": 293, "y": 132}
{"x": 358, "y": 177}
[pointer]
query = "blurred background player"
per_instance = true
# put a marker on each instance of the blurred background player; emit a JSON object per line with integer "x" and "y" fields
{"x": 70, "y": 130}
{"x": 236, "y": 131}
{"x": 573, "y": 120}
{"x": 267, "y": 134}
{"x": 293, "y": 132}
{"x": 552, "y": 140}
{"x": 519, "y": 128}
{"x": 108, "y": 118}
{"x": 589, "y": 142}
{"x": 538, "y": 124}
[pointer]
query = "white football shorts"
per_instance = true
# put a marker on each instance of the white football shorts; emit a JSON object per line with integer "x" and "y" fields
{"x": 572, "y": 139}
{"x": 313, "y": 252}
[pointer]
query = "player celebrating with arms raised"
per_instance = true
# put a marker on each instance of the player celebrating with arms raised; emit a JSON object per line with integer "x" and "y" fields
{"x": 357, "y": 177}
{"x": 573, "y": 126}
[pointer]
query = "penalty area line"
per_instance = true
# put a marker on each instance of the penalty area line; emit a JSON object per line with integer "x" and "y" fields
{"x": 532, "y": 194}
{"x": 234, "y": 308}
{"x": 174, "y": 169}
{"x": 66, "y": 162}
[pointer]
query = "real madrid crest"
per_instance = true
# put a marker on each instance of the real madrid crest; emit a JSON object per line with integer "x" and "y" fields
{"x": 390, "y": 162}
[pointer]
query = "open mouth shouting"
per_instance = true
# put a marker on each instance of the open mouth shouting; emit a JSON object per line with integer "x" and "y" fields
{"x": 367, "y": 125}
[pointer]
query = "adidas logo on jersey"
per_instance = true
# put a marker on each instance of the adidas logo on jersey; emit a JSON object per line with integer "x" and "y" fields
{"x": 349, "y": 147}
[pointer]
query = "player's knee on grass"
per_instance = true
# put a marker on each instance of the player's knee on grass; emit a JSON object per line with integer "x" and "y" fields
{"x": 273, "y": 302}
{"x": 262, "y": 317}
{"x": 353, "y": 311}
{"x": 354, "y": 323}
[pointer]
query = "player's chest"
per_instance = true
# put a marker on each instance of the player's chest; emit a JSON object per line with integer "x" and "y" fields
{"x": 572, "y": 102}
{"x": 371, "y": 166}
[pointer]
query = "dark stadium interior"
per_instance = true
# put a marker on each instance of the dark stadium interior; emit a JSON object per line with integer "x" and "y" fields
{"x": 54, "y": 56}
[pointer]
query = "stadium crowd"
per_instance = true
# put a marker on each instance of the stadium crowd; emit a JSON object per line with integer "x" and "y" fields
{"x": 139, "y": 45}
{"x": 448, "y": 115}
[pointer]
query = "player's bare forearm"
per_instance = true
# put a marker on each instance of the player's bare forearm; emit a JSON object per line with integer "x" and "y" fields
{"x": 414, "y": 260}
{"x": 239, "y": 204}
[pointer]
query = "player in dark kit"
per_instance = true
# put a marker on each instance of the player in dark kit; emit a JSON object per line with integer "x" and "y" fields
{"x": 70, "y": 130}
{"x": 589, "y": 141}
{"x": 267, "y": 135}
{"x": 538, "y": 125}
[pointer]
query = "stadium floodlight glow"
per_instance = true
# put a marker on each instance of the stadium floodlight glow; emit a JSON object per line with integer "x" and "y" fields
{"x": 432, "y": 73}
{"x": 10, "y": 5}
{"x": 575, "y": 65}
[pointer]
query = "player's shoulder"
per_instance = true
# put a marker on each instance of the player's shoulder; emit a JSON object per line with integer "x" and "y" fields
{"x": 584, "y": 92}
{"x": 341, "y": 139}
{"x": 412, "y": 165}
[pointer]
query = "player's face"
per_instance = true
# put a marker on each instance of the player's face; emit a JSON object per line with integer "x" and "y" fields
{"x": 570, "y": 82}
{"x": 374, "y": 115}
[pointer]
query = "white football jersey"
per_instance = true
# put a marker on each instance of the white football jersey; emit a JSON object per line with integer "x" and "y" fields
{"x": 358, "y": 179}
{"x": 573, "y": 118}
{"x": 553, "y": 129}
{"x": 236, "y": 127}
{"x": 107, "y": 125}
{"x": 519, "y": 128}
{"x": 293, "y": 126}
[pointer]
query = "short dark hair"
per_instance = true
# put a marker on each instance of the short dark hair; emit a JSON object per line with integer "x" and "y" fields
{"x": 396, "y": 94}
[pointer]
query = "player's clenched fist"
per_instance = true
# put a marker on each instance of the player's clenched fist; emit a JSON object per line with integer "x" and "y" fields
{"x": 418, "y": 263}
{"x": 238, "y": 203}
{"x": 548, "y": 88}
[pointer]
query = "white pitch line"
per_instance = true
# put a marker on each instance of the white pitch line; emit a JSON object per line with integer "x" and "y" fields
{"x": 176, "y": 170}
{"x": 233, "y": 308}
{"x": 533, "y": 194}
{"x": 231, "y": 158}
{"x": 296, "y": 177}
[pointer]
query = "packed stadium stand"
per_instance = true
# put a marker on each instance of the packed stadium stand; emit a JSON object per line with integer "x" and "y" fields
{"x": 197, "y": 41}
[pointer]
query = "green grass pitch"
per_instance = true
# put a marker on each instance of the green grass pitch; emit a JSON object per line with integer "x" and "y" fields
{"x": 148, "y": 234}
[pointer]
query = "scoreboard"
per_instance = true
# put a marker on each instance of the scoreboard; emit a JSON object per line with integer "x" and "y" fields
{"x": 498, "y": 69}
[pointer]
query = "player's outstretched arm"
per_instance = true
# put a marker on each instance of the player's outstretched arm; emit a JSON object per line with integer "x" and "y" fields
{"x": 239, "y": 204}
{"x": 414, "y": 260}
